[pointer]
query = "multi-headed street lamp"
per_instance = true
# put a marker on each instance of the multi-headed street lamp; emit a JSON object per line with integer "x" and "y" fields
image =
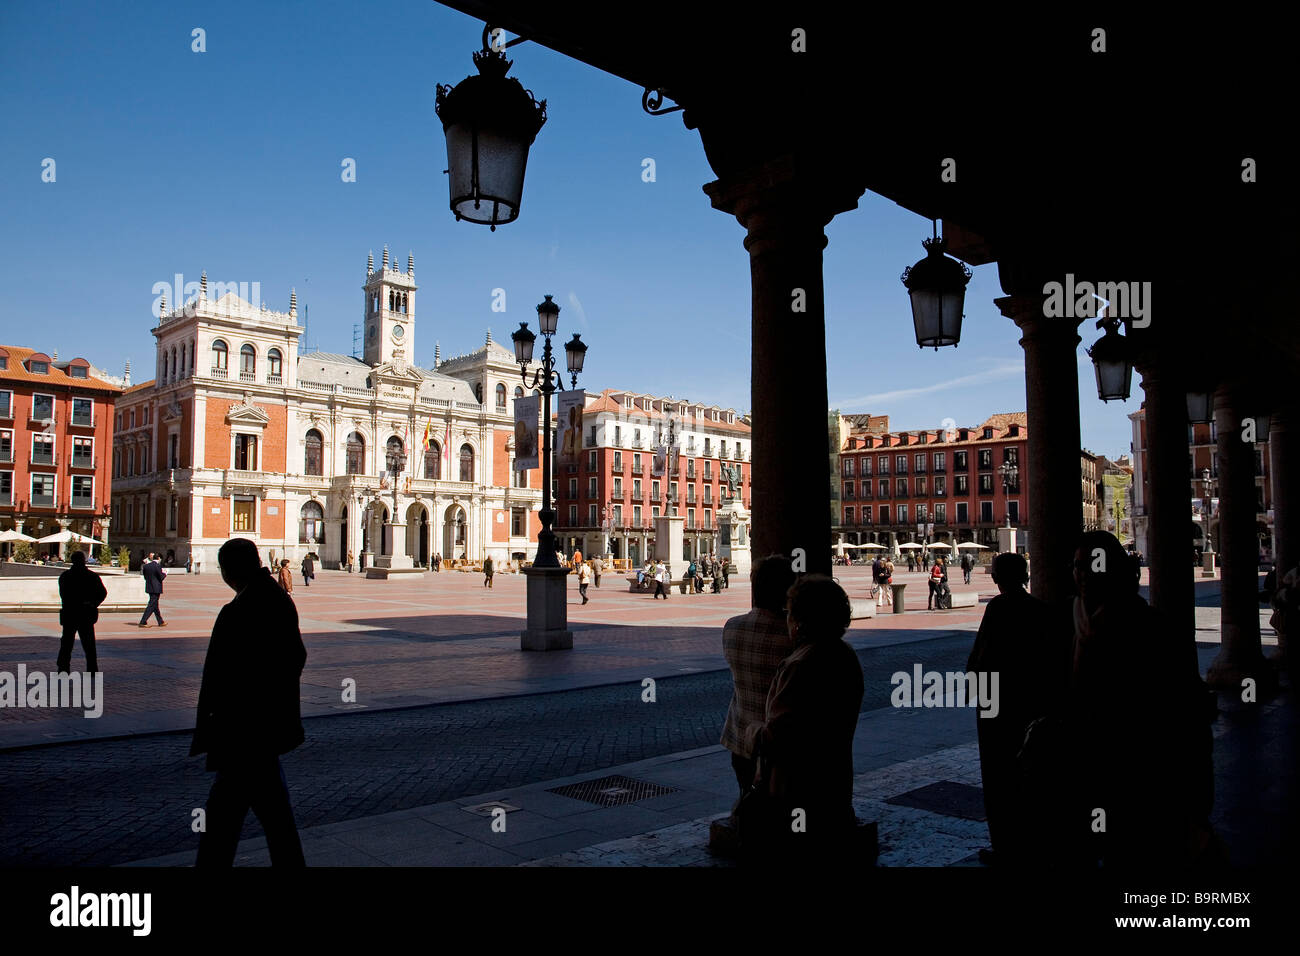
{"x": 1207, "y": 556}
{"x": 547, "y": 380}
{"x": 1010, "y": 475}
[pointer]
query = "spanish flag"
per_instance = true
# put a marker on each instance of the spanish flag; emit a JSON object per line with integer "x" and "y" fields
{"x": 428, "y": 433}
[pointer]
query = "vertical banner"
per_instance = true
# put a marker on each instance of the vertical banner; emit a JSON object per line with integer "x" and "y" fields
{"x": 568, "y": 411}
{"x": 526, "y": 431}
{"x": 660, "y": 462}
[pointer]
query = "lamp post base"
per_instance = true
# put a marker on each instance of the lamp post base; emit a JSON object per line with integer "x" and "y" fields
{"x": 548, "y": 612}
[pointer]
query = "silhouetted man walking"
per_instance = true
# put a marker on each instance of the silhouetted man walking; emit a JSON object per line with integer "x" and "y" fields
{"x": 249, "y": 711}
{"x": 81, "y": 593}
{"x": 153, "y": 585}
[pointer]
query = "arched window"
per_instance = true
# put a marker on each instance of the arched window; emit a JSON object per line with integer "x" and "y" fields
{"x": 311, "y": 526}
{"x": 501, "y": 397}
{"x": 247, "y": 360}
{"x": 315, "y": 446}
{"x": 356, "y": 454}
{"x": 175, "y": 374}
{"x": 433, "y": 461}
{"x": 519, "y": 391}
{"x": 182, "y": 360}
{"x": 193, "y": 356}
{"x": 478, "y": 392}
{"x": 466, "y": 463}
{"x": 273, "y": 363}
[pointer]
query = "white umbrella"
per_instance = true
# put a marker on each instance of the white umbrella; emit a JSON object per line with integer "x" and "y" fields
{"x": 972, "y": 544}
{"x": 940, "y": 544}
{"x": 908, "y": 544}
{"x": 11, "y": 535}
{"x": 65, "y": 536}
{"x": 872, "y": 546}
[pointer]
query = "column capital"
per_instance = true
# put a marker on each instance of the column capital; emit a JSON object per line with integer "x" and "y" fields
{"x": 1027, "y": 312}
{"x": 785, "y": 187}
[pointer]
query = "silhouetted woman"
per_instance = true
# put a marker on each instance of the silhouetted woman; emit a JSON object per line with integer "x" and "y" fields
{"x": 806, "y": 741}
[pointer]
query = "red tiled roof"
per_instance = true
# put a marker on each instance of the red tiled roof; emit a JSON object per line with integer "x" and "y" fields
{"x": 607, "y": 403}
{"x": 1000, "y": 423}
{"x": 17, "y": 372}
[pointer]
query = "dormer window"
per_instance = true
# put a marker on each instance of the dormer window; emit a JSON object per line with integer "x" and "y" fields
{"x": 37, "y": 367}
{"x": 988, "y": 432}
{"x": 1015, "y": 429}
{"x": 77, "y": 371}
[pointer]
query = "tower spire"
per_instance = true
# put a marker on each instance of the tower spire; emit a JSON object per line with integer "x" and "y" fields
{"x": 293, "y": 300}
{"x": 126, "y": 374}
{"x": 370, "y": 263}
{"x": 437, "y": 354}
{"x": 410, "y": 263}
{"x": 489, "y": 336}
{"x": 203, "y": 285}
{"x": 385, "y": 255}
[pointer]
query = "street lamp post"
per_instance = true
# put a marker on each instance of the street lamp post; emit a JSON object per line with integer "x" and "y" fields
{"x": 1207, "y": 556}
{"x": 547, "y": 609}
{"x": 1010, "y": 473}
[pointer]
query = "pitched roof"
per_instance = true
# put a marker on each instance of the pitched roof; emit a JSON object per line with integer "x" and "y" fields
{"x": 607, "y": 403}
{"x": 16, "y": 371}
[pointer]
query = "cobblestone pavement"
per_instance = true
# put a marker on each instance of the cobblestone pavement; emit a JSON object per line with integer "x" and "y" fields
{"x": 111, "y": 801}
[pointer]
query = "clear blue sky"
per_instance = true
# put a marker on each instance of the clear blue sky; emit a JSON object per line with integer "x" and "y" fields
{"x": 229, "y": 160}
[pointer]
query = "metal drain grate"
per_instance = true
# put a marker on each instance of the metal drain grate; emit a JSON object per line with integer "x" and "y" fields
{"x": 485, "y": 809}
{"x": 947, "y": 797}
{"x": 612, "y": 791}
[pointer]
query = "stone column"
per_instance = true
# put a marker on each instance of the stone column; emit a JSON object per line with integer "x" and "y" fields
{"x": 1240, "y": 655}
{"x": 1172, "y": 584}
{"x": 1284, "y": 469}
{"x": 777, "y": 204}
{"x": 1052, "y": 403}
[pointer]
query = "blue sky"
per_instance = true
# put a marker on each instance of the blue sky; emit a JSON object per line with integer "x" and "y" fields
{"x": 229, "y": 160}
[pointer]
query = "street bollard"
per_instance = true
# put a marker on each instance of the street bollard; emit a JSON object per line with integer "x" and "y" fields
{"x": 898, "y": 597}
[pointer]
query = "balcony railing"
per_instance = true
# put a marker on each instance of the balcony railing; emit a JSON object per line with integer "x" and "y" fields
{"x": 7, "y": 410}
{"x": 219, "y": 372}
{"x": 83, "y": 501}
{"x": 6, "y": 497}
{"x": 84, "y": 463}
{"x": 275, "y": 380}
{"x": 83, "y": 421}
{"x": 7, "y": 456}
{"x": 42, "y": 501}
{"x": 44, "y": 458}
{"x": 248, "y": 376}
{"x": 34, "y": 419}
{"x": 638, "y": 469}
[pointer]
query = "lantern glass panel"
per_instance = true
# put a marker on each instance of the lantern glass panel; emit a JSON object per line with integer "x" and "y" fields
{"x": 502, "y": 159}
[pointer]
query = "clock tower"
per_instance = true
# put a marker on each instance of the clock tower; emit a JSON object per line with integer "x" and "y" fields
{"x": 390, "y": 312}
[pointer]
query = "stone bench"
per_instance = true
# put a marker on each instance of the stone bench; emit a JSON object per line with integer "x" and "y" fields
{"x": 965, "y": 599}
{"x": 863, "y": 609}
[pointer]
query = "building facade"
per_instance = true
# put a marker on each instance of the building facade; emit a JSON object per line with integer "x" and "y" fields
{"x": 933, "y": 484}
{"x": 1088, "y": 484}
{"x": 240, "y": 435}
{"x": 1202, "y": 440}
{"x": 56, "y": 431}
{"x": 608, "y": 501}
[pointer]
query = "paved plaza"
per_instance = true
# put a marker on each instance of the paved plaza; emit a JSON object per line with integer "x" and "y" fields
{"x": 450, "y": 714}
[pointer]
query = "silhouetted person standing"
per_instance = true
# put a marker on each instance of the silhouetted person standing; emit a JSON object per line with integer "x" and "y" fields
{"x": 153, "y": 574}
{"x": 489, "y": 568}
{"x": 1138, "y": 720}
{"x": 754, "y": 644}
{"x": 308, "y": 570}
{"x": 249, "y": 712}
{"x": 1028, "y": 647}
{"x": 805, "y": 743}
{"x": 81, "y": 592}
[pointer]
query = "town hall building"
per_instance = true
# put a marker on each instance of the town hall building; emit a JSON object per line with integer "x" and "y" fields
{"x": 240, "y": 435}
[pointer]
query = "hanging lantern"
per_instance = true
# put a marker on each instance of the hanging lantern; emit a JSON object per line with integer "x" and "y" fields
{"x": 1200, "y": 407}
{"x": 490, "y": 123}
{"x": 937, "y": 287}
{"x": 1113, "y": 362}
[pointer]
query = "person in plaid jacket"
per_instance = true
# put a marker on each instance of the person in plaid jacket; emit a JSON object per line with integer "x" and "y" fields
{"x": 754, "y": 644}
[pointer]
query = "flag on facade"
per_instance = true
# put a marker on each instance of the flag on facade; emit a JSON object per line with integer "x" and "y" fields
{"x": 428, "y": 433}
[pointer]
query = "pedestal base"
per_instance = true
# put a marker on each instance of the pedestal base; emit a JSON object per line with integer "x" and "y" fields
{"x": 548, "y": 611}
{"x": 395, "y": 574}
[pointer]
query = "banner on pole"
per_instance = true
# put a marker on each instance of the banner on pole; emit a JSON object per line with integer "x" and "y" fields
{"x": 526, "y": 430}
